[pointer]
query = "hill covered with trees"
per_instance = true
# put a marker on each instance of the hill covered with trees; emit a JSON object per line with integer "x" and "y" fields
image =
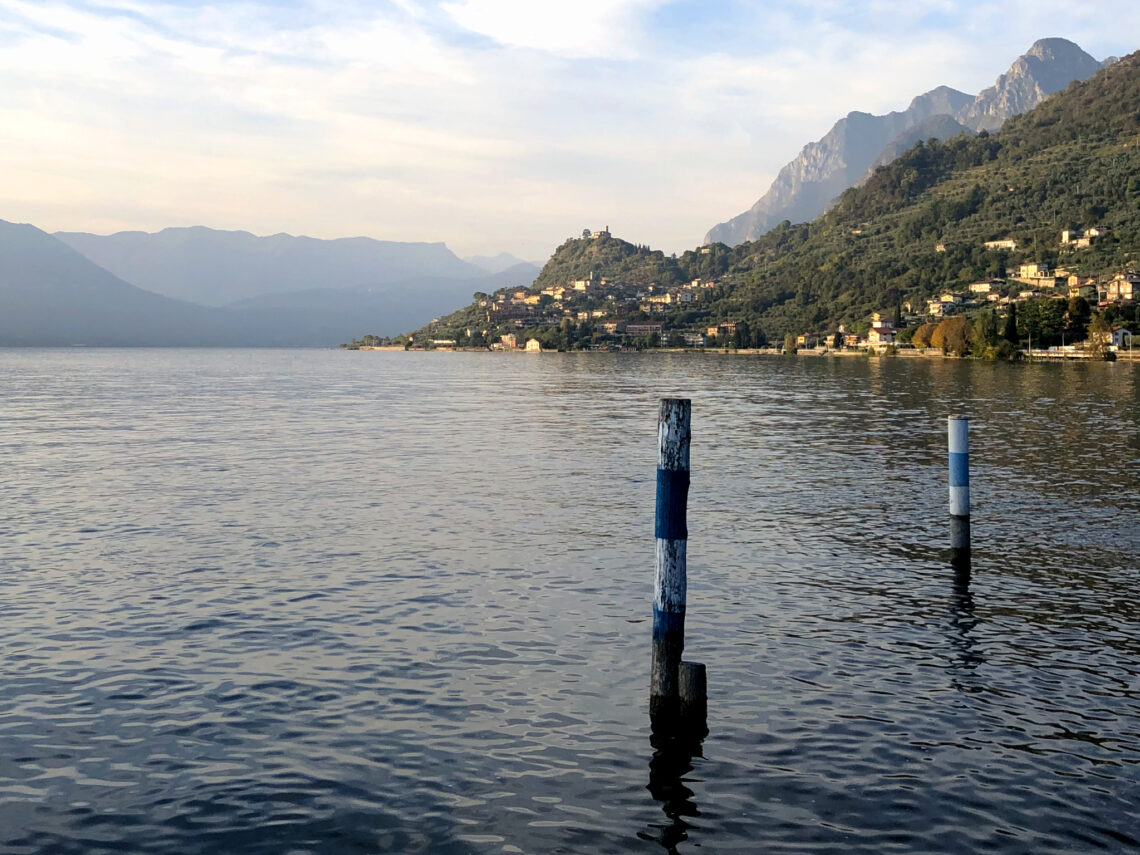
{"x": 917, "y": 226}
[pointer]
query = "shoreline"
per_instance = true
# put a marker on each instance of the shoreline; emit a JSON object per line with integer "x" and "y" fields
{"x": 906, "y": 353}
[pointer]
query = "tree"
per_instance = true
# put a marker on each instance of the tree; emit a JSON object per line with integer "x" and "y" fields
{"x": 1010, "y": 331}
{"x": 897, "y": 320}
{"x": 1100, "y": 336}
{"x": 742, "y": 338}
{"x": 1077, "y": 319}
{"x": 985, "y": 333}
{"x": 789, "y": 344}
{"x": 923, "y": 335}
{"x": 837, "y": 341}
{"x": 952, "y": 335}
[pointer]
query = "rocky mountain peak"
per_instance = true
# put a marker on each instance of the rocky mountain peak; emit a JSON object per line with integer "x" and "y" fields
{"x": 806, "y": 186}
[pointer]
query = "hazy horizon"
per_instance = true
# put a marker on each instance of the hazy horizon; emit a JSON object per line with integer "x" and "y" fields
{"x": 488, "y": 125}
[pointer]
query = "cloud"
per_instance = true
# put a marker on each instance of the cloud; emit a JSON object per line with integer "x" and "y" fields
{"x": 598, "y": 29}
{"x": 490, "y": 124}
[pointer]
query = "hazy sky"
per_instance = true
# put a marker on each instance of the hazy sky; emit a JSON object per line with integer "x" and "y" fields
{"x": 489, "y": 124}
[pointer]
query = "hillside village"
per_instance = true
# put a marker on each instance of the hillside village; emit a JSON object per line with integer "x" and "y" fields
{"x": 596, "y": 312}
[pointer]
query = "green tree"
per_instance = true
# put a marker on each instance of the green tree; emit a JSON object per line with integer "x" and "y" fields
{"x": 1077, "y": 319}
{"x": 985, "y": 333}
{"x": 1010, "y": 331}
{"x": 742, "y": 338}
{"x": 1100, "y": 336}
{"x": 790, "y": 344}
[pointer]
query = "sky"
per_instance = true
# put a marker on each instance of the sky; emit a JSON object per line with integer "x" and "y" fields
{"x": 491, "y": 125}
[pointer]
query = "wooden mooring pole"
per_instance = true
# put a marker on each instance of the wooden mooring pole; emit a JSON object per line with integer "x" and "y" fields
{"x": 672, "y": 686}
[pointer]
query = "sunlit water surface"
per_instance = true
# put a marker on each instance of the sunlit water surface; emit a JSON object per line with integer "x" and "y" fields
{"x": 318, "y": 601}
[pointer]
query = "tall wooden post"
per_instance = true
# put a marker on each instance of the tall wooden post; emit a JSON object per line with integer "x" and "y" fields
{"x": 671, "y": 531}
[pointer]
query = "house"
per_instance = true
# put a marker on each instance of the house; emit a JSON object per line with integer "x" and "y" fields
{"x": 936, "y": 308}
{"x": 722, "y": 331}
{"x": 1037, "y": 270}
{"x": 853, "y": 340}
{"x": 603, "y": 233}
{"x": 939, "y": 247}
{"x": 587, "y": 285}
{"x": 695, "y": 339}
{"x": 1121, "y": 337}
{"x": 643, "y": 328}
{"x": 989, "y": 287}
{"x": 1122, "y": 288}
{"x": 533, "y": 345}
{"x": 1003, "y": 243}
{"x": 1082, "y": 286}
{"x": 877, "y": 336}
{"x": 510, "y": 340}
{"x": 1081, "y": 239}
{"x": 948, "y": 297}
{"x": 613, "y": 327}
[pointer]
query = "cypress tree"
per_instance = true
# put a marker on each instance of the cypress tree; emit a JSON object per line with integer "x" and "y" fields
{"x": 1010, "y": 333}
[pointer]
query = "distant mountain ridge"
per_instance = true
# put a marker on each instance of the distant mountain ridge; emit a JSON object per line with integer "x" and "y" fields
{"x": 214, "y": 267}
{"x": 810, "y": 183}
{"x": 52, "y": 295}
{"x": 499, "y": 263}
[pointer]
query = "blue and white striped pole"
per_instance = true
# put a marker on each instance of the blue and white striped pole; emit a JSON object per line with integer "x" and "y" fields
{"x": 671, "y": 531}
{"x": 959, "y": 438}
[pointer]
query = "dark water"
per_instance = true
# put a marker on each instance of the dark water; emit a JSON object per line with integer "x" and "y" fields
{"x": 303, "y": 601}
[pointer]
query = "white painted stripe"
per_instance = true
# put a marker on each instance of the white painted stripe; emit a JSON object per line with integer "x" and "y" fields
{"x": 670, "y": 581}
{"x": 960, "y": 501}
{"x": 959, "y": 435}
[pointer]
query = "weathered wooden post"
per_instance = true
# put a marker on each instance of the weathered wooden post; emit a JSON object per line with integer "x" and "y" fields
{"x": 692, "y": 685}
{"x": 959, "y": 444}
{"x": 671, "y": 531}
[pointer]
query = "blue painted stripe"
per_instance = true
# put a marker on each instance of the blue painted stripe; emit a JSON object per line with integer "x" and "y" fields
{"x": 959, "y": 470}
{"x": 667, "y": 623}
{"x": 672, "y": 497}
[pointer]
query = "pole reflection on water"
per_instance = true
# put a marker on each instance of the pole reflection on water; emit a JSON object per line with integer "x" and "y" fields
{"x": 963, "y": 620}
{"x": 676, "y": 739}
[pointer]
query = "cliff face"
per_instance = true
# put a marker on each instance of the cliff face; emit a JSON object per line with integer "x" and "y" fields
{"x": 1047, "y": 67}
{"x": 806, "y": 186}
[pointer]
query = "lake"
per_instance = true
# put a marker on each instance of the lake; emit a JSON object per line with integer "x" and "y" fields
{"x": 291, "y": 601}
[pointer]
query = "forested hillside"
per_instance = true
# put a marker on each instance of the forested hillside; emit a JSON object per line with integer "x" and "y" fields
{"x": 919, "y": 223}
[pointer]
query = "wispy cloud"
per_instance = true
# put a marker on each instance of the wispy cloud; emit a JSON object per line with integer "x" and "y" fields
{"x": 492, "y": 124}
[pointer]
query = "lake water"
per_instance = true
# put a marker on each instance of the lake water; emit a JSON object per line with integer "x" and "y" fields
{"x": 318, "y": 601}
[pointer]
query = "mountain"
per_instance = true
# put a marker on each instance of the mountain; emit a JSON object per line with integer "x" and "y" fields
{"x": 1047, "y": 67}
{"x": 213, "y": 268}
{"x": 916, "y": 228}
{"x": 323, "y": 317}
{"x": 807, "y": 185}
{"x": 498, "y": 263}
{"x": 52, "y": 295}
{"x": 937, "y": 127}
